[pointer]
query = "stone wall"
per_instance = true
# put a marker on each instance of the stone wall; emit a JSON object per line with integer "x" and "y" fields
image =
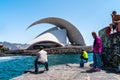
{"x": 68, "y": 49}
{"x": 56, "y": 50}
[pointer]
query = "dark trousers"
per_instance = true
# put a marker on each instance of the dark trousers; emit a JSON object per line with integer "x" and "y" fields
{"x": 96, "y": 60}
{"x": 82, "y": 59}
{"x": 36, "y": 65}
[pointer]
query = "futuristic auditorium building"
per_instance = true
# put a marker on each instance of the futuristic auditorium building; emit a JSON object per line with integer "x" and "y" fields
{"x": 56, "y": 36}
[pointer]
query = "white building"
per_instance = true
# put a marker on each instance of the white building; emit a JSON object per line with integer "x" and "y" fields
{"x": 55, "y": 37}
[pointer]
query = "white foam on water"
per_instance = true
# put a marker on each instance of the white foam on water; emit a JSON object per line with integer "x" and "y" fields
{"x": 3, "y": 59}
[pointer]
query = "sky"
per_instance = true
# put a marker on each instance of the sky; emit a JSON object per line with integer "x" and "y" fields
{"x": 86, "y": 15}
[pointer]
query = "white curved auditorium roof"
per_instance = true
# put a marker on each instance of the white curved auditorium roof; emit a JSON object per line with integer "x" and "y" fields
{"x": 73, "y": 33}
{"x": 56, "y": 36}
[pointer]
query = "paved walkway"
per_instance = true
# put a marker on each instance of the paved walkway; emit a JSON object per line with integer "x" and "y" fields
{"x": 69, "y": 72}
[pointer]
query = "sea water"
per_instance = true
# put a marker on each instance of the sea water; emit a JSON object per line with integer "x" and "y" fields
{"x": 14, "y": 66}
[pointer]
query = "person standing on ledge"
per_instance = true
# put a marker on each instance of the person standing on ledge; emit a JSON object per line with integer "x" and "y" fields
{"x": 41, "y": 59}
{"x": 97, "y": 49}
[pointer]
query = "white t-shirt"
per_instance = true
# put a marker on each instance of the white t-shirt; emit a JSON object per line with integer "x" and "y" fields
{"x": 42, "y": 56}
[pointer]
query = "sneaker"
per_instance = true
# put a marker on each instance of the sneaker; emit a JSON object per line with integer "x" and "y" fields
{"x": 93, "y": 69}
{"x": 47, "y": 69}
{"x": 36, "y": 72}
{"x": 97, "y": 69}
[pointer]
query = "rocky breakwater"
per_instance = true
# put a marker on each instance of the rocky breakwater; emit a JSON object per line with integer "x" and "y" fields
{"x": 68, "y": 49}
{"x": 55, "y": 50}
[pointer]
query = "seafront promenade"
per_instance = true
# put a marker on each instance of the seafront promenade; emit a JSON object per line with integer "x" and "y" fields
{"x": 69, "y": 72}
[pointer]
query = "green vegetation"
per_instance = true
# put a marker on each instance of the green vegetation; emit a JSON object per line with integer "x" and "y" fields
{"x": 116, "y": 60}
{"x": 3, "y": 49}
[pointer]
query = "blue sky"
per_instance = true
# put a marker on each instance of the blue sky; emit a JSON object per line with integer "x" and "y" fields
{"x": 86, "y": 15}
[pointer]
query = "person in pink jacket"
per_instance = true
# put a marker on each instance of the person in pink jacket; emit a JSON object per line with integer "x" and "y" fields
{"x": 97, "y": 49}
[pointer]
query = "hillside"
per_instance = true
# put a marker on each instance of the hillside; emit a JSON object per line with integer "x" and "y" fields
{"x": 14, "y": 46}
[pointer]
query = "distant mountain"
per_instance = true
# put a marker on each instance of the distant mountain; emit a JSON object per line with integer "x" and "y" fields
{"x": 14, "y": 46}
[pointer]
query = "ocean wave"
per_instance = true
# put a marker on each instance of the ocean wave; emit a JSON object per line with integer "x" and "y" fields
{"x": 3, "y": 59}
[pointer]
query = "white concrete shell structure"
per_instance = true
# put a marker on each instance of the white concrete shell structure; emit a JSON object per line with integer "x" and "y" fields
{"x": 49, "y": 30}
{"x": 50, "y": 38}
{"x": 73, "y": 33}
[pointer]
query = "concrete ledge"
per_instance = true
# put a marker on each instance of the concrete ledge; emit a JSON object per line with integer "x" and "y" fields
{"x": 69, "y": 72}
